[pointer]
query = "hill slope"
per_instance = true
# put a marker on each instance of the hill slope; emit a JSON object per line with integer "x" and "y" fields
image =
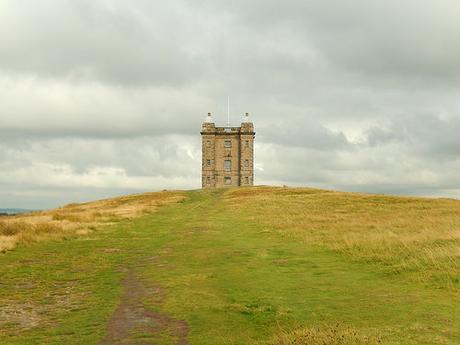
{"x": 240, "y": 266}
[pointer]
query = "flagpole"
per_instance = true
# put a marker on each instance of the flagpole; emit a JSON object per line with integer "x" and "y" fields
{"x": 228, "y": 111}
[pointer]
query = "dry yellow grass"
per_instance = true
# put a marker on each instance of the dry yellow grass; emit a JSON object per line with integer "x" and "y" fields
{"x": 327, "y": 335}
{"x": 418, "y": 236}
{"x": 79, "y": 219}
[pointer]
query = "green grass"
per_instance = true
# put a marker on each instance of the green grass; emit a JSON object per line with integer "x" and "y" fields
{"x": 230, "y": 273}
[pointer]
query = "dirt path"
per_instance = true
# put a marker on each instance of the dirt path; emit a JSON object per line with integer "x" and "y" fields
{"x": 133, "y": 324}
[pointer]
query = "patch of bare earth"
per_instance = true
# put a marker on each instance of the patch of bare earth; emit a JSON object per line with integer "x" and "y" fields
{"x": 132, "y": 323}
{"x": 17, "y": 316}
{"x": 23, "y": 316}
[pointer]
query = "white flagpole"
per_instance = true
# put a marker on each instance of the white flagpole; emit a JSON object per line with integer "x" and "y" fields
{"x": 228, "y": 111}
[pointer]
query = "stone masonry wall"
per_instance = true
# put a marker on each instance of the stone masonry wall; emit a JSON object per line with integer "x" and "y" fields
{"x": 232, "y": 144}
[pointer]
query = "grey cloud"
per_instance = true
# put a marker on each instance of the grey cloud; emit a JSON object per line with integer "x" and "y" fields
{"x": 98, "y": 98}
{"x": 95, "y": 40}
{"x": 307, "y": 133}
{"x": 72, "y": 169}
{"x": 167, "y": 156}
{"x": 43, "y": 108}
{"x": 417, "y": 38}
{"x": 422, "y": 134}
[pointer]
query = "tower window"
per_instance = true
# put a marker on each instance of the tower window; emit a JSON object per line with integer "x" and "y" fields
{"x": 247, "y": 143}
{"x": 208, "y": 180}
{"x": 227, "y": 143}
{"x": 246, "y": 163}
{"x": 227, "y": 165}
{"x": 227, "y": 180}
{"x": 208, "y": 162}
{"x": 246, "y": 179}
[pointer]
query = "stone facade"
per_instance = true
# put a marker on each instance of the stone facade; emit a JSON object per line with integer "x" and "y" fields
{"x": 228, "y": 154}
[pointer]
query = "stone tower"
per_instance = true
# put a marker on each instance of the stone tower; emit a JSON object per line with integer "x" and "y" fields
{"x": 228, "y": 154}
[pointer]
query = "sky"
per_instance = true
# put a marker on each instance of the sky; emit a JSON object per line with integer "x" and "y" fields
{"x": 100, "y": 98}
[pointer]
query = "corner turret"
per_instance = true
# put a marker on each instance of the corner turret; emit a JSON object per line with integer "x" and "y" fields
{"x": 247, "y": 126}
{"x": 208, "y": 125}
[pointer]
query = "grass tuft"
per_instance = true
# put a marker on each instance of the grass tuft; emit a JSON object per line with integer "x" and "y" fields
{"x": 333, "y": 335}
{"x": 8, "y": 228}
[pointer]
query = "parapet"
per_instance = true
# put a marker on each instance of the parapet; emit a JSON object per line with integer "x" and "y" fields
{"x": 209, "y": 127}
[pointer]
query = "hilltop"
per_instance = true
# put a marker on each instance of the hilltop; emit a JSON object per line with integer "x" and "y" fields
{"x": 260, "y": 265}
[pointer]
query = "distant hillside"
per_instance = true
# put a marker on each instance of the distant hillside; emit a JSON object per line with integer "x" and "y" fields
{"x": 247, "y": 266}
{"x": 13, "y": 210}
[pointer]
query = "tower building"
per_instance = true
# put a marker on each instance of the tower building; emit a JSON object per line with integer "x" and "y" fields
{"x": 228, "y": 154}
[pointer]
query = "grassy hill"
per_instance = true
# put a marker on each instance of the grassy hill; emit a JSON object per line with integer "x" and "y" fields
{"x": 260, "y": 266}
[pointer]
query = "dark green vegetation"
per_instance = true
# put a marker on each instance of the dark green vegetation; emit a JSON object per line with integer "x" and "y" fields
{"x": 212, "y": 270}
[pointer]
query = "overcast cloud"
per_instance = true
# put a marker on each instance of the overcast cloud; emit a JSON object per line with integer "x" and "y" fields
{"x": 101, "y": 98}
